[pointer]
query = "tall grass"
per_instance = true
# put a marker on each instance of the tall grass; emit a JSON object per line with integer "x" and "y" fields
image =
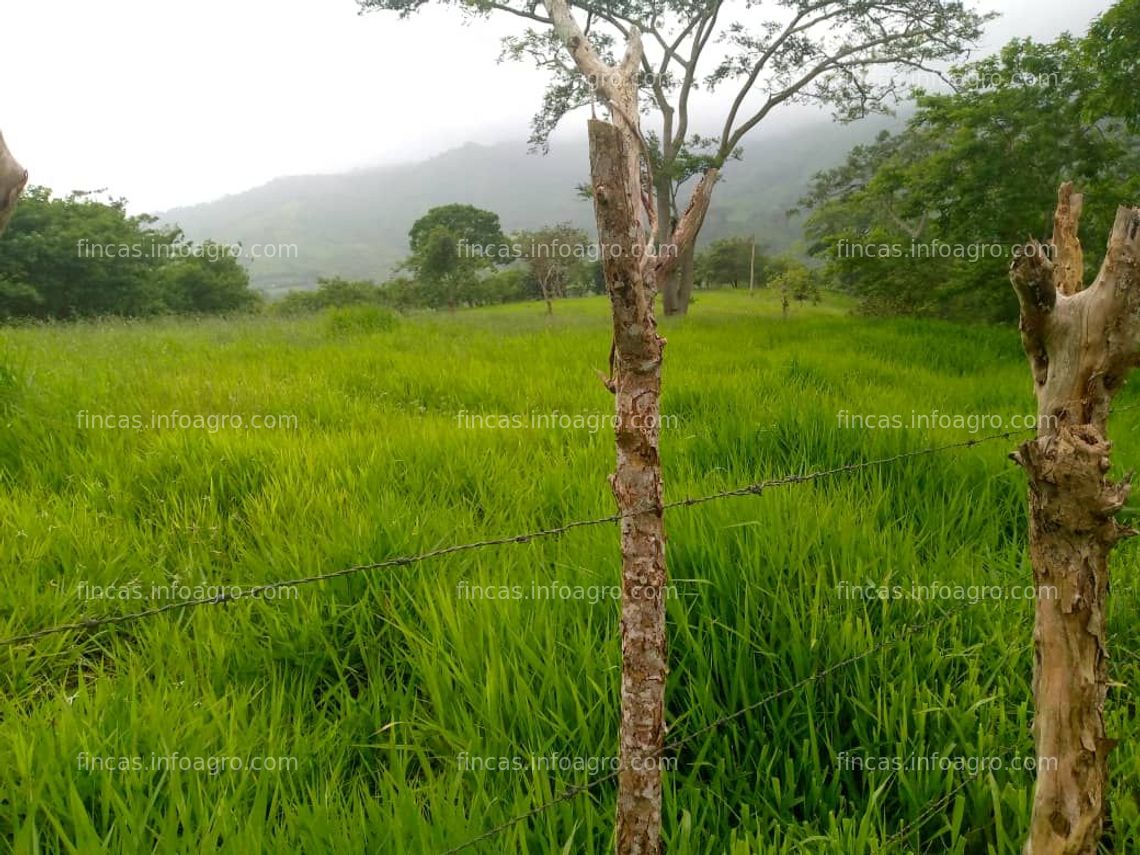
{"x": 383, "y": 687}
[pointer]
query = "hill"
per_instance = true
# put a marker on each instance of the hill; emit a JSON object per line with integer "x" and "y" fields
{"x": 356, "y": 224}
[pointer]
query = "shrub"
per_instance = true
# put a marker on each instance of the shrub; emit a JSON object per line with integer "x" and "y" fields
{"x": 359, "y": 320}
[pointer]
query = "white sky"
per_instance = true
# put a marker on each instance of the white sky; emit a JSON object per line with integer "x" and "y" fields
{"x": 171, "y": 103}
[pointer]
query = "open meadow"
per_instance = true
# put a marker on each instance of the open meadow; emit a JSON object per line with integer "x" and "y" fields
{"x": 410, "y": 709}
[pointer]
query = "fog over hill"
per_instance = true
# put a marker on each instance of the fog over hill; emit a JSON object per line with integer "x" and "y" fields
{"x": 356, "y": 224}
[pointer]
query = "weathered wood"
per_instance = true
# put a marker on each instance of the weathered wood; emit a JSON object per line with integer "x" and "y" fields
{"x": 13, "y": 178}
{"x": 1081, "y": 345}
{"x": 637, "y": 487}
{"x": 637, "y": 253}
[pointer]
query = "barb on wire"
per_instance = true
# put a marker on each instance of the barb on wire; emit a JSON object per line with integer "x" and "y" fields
{"x": 258, "y": 591}
{"x": 933, "y": 807}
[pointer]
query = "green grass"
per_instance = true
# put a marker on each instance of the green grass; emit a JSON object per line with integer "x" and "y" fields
{"x": 377, "y": 683}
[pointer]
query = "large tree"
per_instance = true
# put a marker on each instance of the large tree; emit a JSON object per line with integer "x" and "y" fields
{"x": 78, "y": 256}
{"x": 451, "y": 247}
{"x": 852, "y": 56}
{"x": 13, "y": 178}
{"x": 924, "y": 221}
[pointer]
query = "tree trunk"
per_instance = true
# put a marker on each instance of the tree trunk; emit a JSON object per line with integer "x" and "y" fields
{"x": 546, "y": 296}
{"x": 685, "y": 279}
{"x": 13, "y": 177}
{"x": 670, "y": 284}
{"x": 637, "y": 487}
{"x": 1081, "y": 345}
{"x": 621, "y": 195}
{"x": 752, "y": 269}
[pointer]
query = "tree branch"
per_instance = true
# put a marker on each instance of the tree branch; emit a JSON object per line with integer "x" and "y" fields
{"x": 689, "y": 226}
{"x": 1068, "y": 258}
{"x": 13, "y": 179}
{"x": 1032, "y": 275}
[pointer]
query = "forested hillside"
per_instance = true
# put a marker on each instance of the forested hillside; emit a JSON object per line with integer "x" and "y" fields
{"x": 356, "y": 224}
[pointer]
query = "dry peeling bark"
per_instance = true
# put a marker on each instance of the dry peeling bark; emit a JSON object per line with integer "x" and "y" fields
{"x": 634, "y": 260}
{"x": 1081, "y": 344}
{"x": 637, "y": 487}
{"x": 13, "y": 177}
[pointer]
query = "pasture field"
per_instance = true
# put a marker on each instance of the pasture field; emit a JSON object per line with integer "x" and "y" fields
{"x": 381, "y": 705}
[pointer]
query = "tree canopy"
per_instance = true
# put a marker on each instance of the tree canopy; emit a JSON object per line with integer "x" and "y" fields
{"x": 79, "y": 257}
{"x": 926, "y": 220}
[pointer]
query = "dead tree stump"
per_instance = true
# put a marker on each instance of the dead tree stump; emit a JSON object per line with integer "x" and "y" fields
{"x": 1081, "y": 343}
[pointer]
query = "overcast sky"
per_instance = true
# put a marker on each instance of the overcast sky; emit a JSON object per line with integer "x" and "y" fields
{"x": 175, "y": 103}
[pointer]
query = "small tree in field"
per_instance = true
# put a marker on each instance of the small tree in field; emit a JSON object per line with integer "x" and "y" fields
{"x": 556, "y": 257}
{"x": 13, "y": 179}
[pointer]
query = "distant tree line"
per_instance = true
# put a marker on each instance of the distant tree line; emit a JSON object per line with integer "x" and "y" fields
{"x": 925, "y": 221}
{"x": 460, "y": 257}
{"x": 77, "y": 257}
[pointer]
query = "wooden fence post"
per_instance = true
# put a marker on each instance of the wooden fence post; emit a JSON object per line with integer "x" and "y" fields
{"x": 1081, "y": 343}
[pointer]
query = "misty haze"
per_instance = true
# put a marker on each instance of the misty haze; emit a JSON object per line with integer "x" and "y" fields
{"x": 549, "y": 426}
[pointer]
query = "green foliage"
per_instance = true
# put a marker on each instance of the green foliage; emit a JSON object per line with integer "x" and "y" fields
{"x": 453, "y": 247}
{"x": 78, "y": 257}
{"x": 209, "y": 280}
{"x": 728, "y": 261}
{"x": 333, "y": 292}
{"x": 451, "y": 230}
{"x": 1113, "y": 52}
{"x": 927, "y": 221}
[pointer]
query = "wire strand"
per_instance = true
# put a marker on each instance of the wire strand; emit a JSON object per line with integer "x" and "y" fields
{"x": 258, "y": 591}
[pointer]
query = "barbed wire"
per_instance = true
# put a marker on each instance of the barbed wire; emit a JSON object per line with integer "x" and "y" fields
{"x": 930, "y": 810}
{"x": 757, "y": 488}
{"x": 258, "y": 591}
{"x": 575, "y": 791}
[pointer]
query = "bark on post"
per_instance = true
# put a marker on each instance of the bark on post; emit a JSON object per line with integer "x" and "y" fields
{"x": 637, "y": 487}
{"x": 635, "y": 259}
{"x": 1081, "y": 344}
{"x": 13, "y": 177}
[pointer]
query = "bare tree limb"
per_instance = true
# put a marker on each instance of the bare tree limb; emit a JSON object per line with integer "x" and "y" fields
{"x": 689, "y": 226}
{"x": 13, "y": 179}
{"x": 1069, "y": 257}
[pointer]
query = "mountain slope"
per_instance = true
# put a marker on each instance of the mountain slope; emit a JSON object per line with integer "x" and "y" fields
{"x": 356, "y": 224}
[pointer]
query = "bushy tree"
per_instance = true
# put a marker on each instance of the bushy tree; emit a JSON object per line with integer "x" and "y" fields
{"x": 207, "y": 279}
{"x": 925, "y": 221}
{"x": 77, "y": 256}
{"x": 452, "y": 247}
{"x": 474, "y": 233}
{"x": 728, "y": 261}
